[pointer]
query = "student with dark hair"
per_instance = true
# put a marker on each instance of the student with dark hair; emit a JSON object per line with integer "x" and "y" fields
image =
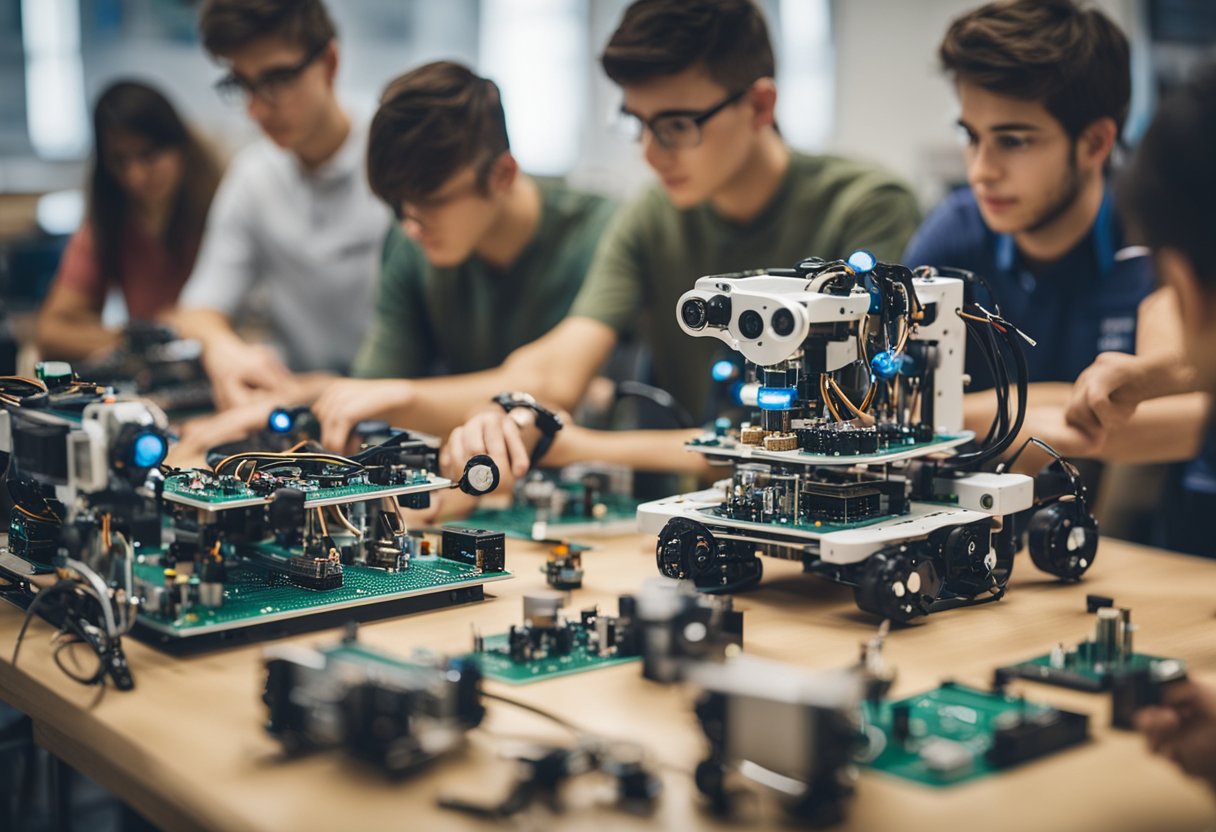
{"x": 150, "y": 185}
{"x": 1043, "y": 89}
{"x": 1167, "y": 195}
{"x": 485, "y": 258}
{"x": 294, "y": 219}
{"x": 1130, "y": 402}
{"x": 697, "y": 86}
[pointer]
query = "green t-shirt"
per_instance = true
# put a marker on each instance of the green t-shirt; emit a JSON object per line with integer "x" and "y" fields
{"x": 654, "y": 252}
{"x": 470, "y": 317}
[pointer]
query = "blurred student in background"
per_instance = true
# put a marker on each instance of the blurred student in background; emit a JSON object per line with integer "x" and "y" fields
{"x": 150, "y": 185}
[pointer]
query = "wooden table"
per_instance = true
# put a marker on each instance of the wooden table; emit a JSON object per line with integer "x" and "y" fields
{"x": 186, "y": 748}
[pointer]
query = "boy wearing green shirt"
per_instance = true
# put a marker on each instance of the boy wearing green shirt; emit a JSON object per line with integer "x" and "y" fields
{"x": 697, "y": 84}
{"x": 485, "y": 258}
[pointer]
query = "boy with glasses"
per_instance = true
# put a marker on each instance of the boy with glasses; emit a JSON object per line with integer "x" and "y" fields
{"x": 294, "y": 218}
{"x": 697, "y": 81}
{"x": 485, "y": 259}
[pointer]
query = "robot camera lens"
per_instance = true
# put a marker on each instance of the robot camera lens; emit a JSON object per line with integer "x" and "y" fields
{"x": 693, "y": 313}
{"x": 783, "y": 322}
{"x": 751, "y": 325}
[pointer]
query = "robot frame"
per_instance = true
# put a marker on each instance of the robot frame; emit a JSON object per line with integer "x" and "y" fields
{"x": 891, "y": 496}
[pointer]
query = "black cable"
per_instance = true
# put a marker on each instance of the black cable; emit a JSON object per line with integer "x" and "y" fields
{"x": 541, "y": 712}
{"x": 656, "y": 396}
{"x": 42, "y": 595}
{"x": 1010, "y": 336}
{"x": 982, "y": 348}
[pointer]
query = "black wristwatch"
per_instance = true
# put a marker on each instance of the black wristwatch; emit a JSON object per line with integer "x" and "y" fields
{"x": 548, "y": 422}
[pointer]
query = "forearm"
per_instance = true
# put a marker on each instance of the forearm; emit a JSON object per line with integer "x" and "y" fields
{"x": 73, "y": 338}
{"x": 642, "y": 450}
{"x": 1166, "y": 429}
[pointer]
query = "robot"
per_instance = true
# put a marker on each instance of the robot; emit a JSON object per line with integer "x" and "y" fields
{"x": 856, "y": 461}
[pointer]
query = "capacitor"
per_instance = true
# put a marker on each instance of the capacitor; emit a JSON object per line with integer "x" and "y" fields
{"x": 541, "y": 608}
{"x": 900, "y": 723}
{"x": 1125, "y": 624}
{"x": 1106, "y": 641}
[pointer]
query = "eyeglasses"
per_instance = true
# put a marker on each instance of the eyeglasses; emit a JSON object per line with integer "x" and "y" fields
{"x": 269, "y": 85}
{"x": 673, "y": 129}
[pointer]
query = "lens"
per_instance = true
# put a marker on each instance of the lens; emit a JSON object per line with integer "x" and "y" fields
{"x": 783, "y": 322}
{"x": 280, "y": 420}
{"x": 693, "y": 313}
{"x": 717, "y": 310}
{"x": 751, "y": 325}
{"x": 148, "y": 450}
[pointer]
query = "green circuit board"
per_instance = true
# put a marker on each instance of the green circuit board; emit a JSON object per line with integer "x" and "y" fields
{"x": 254, "y": 595}
{"x": 496, "y": 663}
{"x": 229, "y": 492}
{"x": 519, "y": 521}
{"x": 957, "y": 734}
{"x": 1082, "y": 670}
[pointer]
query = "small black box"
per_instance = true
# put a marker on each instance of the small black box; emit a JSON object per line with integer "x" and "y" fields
{"x": 477, "y": 547}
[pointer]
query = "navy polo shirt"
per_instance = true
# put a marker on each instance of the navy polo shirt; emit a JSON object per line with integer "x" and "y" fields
{"x": 1076, "y": 307}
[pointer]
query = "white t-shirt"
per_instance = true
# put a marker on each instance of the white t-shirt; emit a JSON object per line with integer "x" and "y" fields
{"x": 309, "y": 240}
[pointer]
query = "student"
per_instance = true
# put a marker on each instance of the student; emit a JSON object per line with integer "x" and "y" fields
{"x": 150, "y": 183}
{"x": 696, "y": 78}
{"x": 1168, "y": 193}
{"x": 485, "y": 258}
{"x": 1043, "y": 88}
{"x": 294, "y": 218}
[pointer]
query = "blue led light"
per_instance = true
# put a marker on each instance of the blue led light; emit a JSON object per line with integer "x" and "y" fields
{"x": 280, "y": 421}
{"x": 888, "y": 366}
{"x": 862, "y": 261}
{"x": 776, "y": 398}
{"x": 149, "y": 450}
{"x": 722, "y": 370}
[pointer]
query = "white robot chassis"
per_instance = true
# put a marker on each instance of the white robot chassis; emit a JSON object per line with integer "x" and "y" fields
{"x": 891, "y": 495}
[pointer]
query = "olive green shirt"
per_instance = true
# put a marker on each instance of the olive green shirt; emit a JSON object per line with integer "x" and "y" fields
{"x": 654, "y": 252}
{"x": 469, "y": 317}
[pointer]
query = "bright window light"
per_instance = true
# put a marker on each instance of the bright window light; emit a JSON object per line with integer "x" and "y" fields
{"x": 806, "y": 103}
{"x": 536, "y": 51}
{"x": 54, "y": 78}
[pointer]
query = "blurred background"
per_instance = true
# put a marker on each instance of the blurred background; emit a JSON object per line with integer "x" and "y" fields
{"x": 857, "y": 77}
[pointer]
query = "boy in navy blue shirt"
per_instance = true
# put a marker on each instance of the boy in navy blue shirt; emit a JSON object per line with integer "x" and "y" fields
{"x": 1044, "y": 90}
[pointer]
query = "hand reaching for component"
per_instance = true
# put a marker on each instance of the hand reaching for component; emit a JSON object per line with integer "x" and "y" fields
{"x": 508, "y": 438}
{"x": 347, "y": 402}
{"x": 1183, "y": 728}
{"x": 1104, "y": 397}
{"x": 242, "y": 372}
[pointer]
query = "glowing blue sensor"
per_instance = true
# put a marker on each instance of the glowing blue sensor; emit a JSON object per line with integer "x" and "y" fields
{"x": 776, "y": 398}
{"x": 149, "y": 450}
{"x": 862, "y": 261}
{"x": 281, "y": 420}
{"x": 722, "y": 370}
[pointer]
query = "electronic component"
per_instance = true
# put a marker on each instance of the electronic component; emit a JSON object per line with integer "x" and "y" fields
{"x": 548, "y": 645}
{"x": 780, "y": 726}
{"x": 83, "y": 474}
{"x": 1093, "y": 665}
{"x": 564, "y": 567}
{"x": 151, "y": 362}
{"x": 681, "y": 627}
{"x": 577, "y": 501}
{"x": 957, "y": 733}
{"x": 855, "y": 461}
{"x": 394, "y": 714}
{"x": 544, "y": 771}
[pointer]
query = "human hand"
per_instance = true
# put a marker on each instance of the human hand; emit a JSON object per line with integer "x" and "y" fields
{"x": 508, "y": 439}
{"x": 1104, "y": 396}
{"x": 241, "y": 372}
{"x": 1183, "y": 728}
{"x": 349, "y": 401}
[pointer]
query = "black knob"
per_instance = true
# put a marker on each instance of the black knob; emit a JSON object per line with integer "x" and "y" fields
{"x": 718, "y": 310}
